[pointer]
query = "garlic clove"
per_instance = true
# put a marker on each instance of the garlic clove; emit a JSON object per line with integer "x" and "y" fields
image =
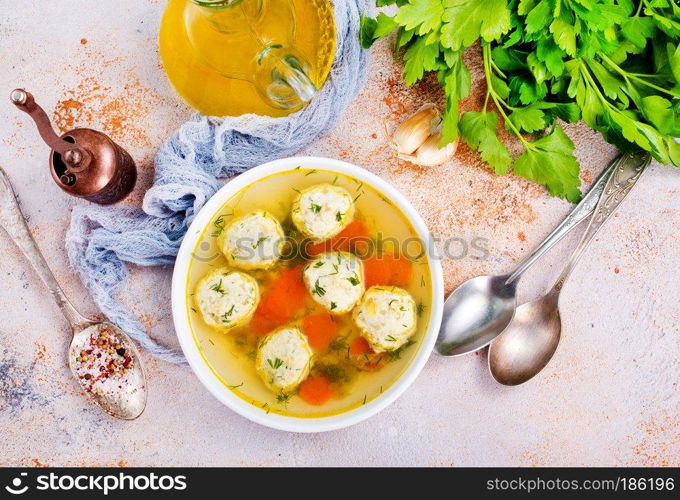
{"x": 430, "y": 155}
{"x": 413, "y": 132}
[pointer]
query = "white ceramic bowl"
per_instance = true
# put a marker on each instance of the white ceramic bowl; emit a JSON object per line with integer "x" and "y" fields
{"x": 181, "y": 319}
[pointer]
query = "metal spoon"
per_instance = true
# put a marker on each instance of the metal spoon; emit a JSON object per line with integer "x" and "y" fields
{"x": 128, "y": 401}
{"x": 531, "y": 338}
{"x": 479, "y": 310}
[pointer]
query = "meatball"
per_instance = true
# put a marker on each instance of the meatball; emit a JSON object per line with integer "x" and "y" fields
{"x": 386, "y": 317}
{"x": 254, "y": 241}
{"x": 226, "y": 298}
{"x": 284, "y": 359}
{"x": 322, "y": 211}
{"x": 335, "y": 280}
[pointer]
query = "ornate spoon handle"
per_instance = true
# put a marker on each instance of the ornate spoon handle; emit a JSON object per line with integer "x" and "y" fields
{"x": 619, "y": 184}
{"x": 12, "y": 220}
{"x": 577, "y": 215}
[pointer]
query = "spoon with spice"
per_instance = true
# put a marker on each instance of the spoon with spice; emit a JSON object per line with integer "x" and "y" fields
{"x": 103, "y": 358}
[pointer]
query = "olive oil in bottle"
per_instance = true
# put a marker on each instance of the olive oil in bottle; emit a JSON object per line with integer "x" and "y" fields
{"x": 230, "y": 57}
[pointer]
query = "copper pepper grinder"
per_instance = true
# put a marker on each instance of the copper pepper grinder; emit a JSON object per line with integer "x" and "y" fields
{"x": 83, "y": 162}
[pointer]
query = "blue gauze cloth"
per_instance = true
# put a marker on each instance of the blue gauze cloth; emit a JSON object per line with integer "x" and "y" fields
{"x": 101, "y": 240}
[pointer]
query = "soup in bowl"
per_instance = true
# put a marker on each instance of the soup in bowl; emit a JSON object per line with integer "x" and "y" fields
{"x": 304, "y": 295}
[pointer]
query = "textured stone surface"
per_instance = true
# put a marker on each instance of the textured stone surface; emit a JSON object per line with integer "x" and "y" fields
{"x": 610, "y": 396}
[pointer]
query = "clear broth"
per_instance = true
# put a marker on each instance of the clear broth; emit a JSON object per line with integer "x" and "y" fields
{"x": 231, "y": 355}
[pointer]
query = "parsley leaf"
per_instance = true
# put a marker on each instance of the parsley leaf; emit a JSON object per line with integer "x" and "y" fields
{"x": 480, "y": 131}
{"x": 419, "y": 58}
{"x": 468, "y": 20}
{"x": 550, "y": 161}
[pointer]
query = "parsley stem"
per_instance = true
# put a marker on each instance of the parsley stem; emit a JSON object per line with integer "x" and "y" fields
{"x": 497, "y": 99}
{"x": 637, "y": 13}
{"x": 495, "y": 67}
{"x": 586, "y": 74}
{"x": 631, "y": 76}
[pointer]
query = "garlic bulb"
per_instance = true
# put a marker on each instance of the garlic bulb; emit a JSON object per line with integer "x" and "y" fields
{"x": 413, "y": 132}
{"x": 429, "y": 154}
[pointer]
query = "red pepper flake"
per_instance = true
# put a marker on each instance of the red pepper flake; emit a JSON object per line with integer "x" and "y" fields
{"x": 102, "y": 358}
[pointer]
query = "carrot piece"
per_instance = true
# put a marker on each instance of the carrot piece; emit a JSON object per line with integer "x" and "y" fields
{"x": 287, "y": 293}
{"x": 263, "y": 321}
{"x": 365, "y": 358}
{"x": 321, "y": 330}
{"x": 401, "y": 271}
{"x": 316, "y": 390}
{"x": 284, "y": 299}
{"x": 355, "y": 234}
{"x": 360, "y": 346}
{"x": 377, "y": 271}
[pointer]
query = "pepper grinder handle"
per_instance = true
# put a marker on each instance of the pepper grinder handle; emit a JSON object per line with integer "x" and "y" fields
{"x": 76, "y": 158}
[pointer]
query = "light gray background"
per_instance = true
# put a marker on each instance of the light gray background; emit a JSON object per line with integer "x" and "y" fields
{"x": 609, "y": 397}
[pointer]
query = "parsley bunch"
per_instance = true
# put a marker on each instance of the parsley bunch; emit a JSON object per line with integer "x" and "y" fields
{"x": 615, "y": 64}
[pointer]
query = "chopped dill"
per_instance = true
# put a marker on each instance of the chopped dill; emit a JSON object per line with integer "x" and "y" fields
{"x": 333, "y": 306}
{"x": 420, "y": 308}
{"x": 219, "y": 226}
{"x": 354, "y": 280}
{"x": 318, "y": 289}
{"x": 276, "y": 364}
{"x": 333, "y": 372}
{"x": 357, "y": 197}
{"x": 316, "y": 208}
{"x": 218, "y": 288}
{"x": 260, "y": 240}
{"x": 232, "y": 387}
{"x": 318, "y": 264}
{"x": 338, "y": 216}
{"x": 335, "y": 180}
{"x": 193, "y": 309}
{"x": 395, "y": 354}
{"x": 313, "y": 171}
{"x": 422, "y": 281}
{"x": 226, "y": 315}
{"x": 283, "y": 399}
{"x": 339, "y": 344}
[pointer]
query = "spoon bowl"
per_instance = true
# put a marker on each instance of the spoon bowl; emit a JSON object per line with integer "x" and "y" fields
{"x": 127, "y": 398}
{"x": 475, "y": 313}
{"x": 525, "y": 348}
